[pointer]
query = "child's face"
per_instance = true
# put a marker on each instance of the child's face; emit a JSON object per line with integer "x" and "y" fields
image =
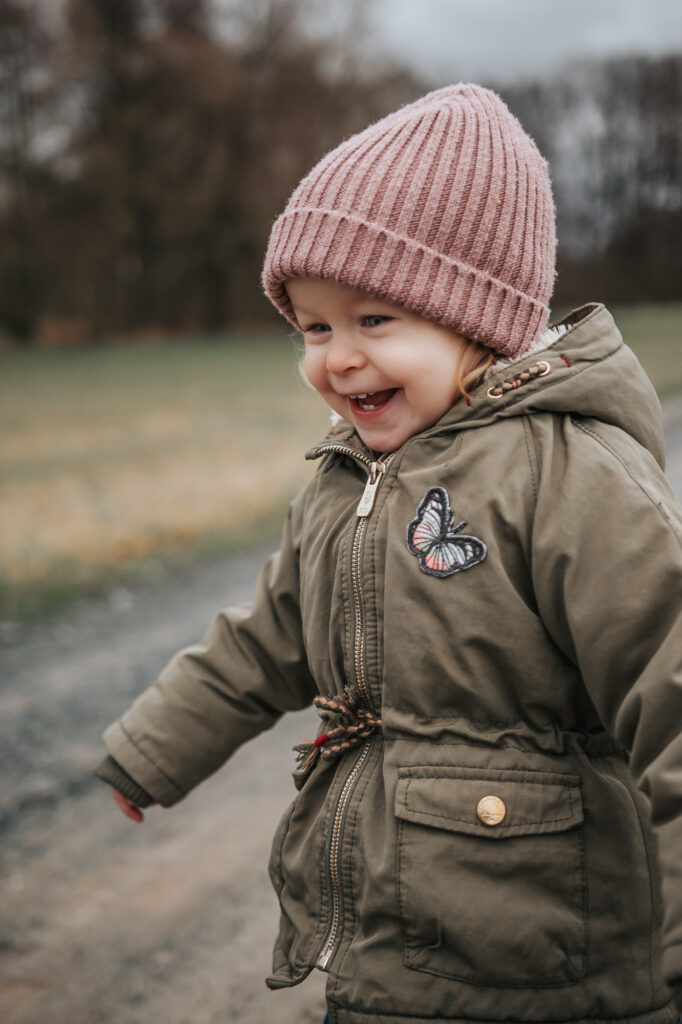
{"x": 404, "y": 367}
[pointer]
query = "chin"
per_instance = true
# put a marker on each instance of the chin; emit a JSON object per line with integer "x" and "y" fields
{"x": 381, "y": 442}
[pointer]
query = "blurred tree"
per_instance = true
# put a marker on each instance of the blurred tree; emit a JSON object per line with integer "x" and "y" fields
{"x": 146, "y": 146}
{"x": 612, "y": 131}
{"x": 24, "y": 103}
{"x": 155, "y": 164}
{"x": 191, "y": 16}
{"x": 184, "y": 145}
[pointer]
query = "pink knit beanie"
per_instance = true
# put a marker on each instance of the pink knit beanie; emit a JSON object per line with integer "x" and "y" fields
{"x": 444, "y": 207}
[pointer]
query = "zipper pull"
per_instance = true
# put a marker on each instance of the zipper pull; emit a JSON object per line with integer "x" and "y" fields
{"x": 323, "y": 960}
{"x": 376, "y": 475}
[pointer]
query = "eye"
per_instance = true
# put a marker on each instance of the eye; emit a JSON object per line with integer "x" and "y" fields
{"x": 375, "y": 320}
{"x": 316, "y": 329}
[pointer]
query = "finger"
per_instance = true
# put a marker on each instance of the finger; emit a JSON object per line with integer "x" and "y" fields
{"x": 130, "y": 809}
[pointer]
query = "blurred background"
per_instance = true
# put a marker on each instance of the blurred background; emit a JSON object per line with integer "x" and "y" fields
{"x": 153, "y": 422}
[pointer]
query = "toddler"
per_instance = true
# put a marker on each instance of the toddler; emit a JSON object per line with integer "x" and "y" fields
{"x": 479, "y": 589}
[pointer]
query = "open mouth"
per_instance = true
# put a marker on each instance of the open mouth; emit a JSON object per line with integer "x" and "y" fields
{"x": 371, "y": 402}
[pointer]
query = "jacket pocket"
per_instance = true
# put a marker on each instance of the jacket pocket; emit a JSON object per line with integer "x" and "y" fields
{"x": 491, "y": 875}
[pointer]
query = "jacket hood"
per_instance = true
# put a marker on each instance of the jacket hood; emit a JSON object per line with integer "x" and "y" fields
{"x": 586, "y": 371}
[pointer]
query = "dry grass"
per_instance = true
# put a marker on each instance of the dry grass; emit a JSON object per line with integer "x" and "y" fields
{"x": 655, "y": 335}
{"x": 114, "y": 454}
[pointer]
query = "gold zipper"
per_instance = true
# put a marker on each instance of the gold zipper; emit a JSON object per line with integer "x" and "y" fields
{"x": 377, "y": 471}
{"x": 363, "y": 511}
{"x": 342, "y": 449}
{"x": 332, "y": 935}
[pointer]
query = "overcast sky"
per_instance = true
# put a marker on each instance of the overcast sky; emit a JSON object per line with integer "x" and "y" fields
{"x": 450, "y": 40}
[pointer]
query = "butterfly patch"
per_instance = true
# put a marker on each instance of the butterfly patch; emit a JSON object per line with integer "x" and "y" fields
{"x": 441, "y": 549}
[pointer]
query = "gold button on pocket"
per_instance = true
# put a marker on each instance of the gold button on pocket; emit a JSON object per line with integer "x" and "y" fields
{"x": 491, "y": 810}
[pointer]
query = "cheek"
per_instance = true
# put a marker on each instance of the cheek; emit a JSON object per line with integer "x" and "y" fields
{"x": 429, "y": 374}
{"x": 312, "y": 367}
{"x": 434, "y": 388}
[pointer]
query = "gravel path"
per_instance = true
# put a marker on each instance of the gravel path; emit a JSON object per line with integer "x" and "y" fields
{"x": 107, "y": 922}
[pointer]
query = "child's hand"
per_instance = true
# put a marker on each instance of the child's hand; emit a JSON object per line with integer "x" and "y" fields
{"x": 130, "y": 809}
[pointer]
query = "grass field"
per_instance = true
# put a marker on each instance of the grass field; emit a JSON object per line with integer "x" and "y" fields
{"x": 116, "y": 459}
{"x": 114, "y": 454}
{"x": 655, "y": 334}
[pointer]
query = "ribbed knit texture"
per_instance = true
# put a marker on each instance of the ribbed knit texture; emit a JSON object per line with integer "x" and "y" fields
{"x": 444, "y": 207}
{"x": 110, "y": 771}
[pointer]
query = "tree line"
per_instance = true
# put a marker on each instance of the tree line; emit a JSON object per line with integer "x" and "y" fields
{"x": 145, "y": 148}
{"x": 612, "y": 132}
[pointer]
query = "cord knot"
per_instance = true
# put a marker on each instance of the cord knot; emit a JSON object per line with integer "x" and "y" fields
{"x": 350, "y": 726}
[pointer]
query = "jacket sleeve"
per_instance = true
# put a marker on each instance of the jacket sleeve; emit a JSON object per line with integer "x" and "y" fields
{"x": 110, "y": 771}
{"x": 249, "y": 668}
{"x": 607, "y": 572}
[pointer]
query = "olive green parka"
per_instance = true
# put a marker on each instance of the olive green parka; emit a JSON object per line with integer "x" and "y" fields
{"x": 509, "y": 606}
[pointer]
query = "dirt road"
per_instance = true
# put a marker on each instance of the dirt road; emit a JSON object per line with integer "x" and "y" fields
{"x": 106, "y": 922}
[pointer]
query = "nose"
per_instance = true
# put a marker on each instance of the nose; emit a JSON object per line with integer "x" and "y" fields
{"x": 344, "y": 354}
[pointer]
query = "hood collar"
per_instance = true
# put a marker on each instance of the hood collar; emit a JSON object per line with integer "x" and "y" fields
{"x": 588, "y": 371}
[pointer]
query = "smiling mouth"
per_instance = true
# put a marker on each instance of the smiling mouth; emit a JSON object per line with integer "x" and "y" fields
{"x": 372, "y": 401}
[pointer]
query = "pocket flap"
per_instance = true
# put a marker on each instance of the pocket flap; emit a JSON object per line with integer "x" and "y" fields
{"x": 488, "y": 802}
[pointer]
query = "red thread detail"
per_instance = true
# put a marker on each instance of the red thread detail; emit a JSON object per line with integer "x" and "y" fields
{"x": 321, "y": 739}
{"x": 516, "y": 382}
{"x": 467, "y": 400}
{"x": 566, "y": 361}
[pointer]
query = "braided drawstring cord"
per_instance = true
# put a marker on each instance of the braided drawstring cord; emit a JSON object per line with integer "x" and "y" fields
{"x": 539, "y": 369}
{"x": 351, "y": 725}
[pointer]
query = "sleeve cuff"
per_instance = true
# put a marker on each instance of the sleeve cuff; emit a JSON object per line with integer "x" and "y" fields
{"x": 131, "y": 758}
{"x": 110, "y": 771}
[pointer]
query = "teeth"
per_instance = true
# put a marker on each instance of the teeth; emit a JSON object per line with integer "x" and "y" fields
{"x": 366, "y": 395}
